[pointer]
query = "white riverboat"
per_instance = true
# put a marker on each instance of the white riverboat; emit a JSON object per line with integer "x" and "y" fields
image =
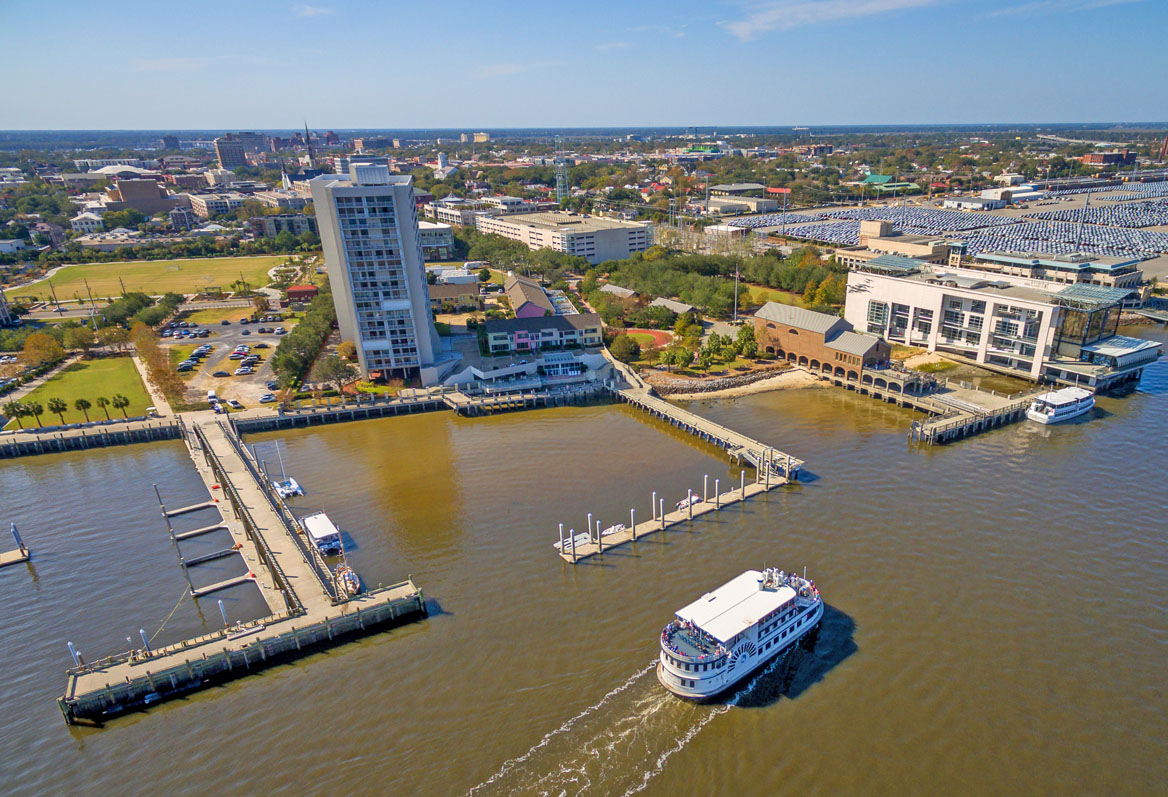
{"x": 1060, "y": 405}
{"x": 322, "y": 533}
{"x": 727, "y": 634}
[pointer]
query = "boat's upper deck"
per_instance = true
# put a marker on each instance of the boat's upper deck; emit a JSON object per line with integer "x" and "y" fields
{"x": 683, "y": 638}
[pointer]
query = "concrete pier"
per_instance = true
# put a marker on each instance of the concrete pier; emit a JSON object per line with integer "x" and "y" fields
{"x": 307, "y": 609}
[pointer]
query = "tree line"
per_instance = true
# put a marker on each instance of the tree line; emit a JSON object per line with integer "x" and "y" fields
{"x": 299, "y": 348}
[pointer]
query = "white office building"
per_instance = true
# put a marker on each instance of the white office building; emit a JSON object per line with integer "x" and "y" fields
{"x": 1058, "y": 333}
{"x": 590, "y": 237}
{"x": 368, "y": 228}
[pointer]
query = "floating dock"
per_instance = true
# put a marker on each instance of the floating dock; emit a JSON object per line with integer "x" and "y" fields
{"x": 307, "y": 609}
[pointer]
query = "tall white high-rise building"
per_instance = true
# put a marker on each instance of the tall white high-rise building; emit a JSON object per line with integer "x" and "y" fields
{"x": 369, "y": 230}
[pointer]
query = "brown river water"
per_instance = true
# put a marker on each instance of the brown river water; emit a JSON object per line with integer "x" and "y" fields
{"x": 996, "y": 618}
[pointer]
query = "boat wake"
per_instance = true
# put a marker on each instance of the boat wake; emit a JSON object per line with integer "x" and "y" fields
{"x": 617, "y": 745}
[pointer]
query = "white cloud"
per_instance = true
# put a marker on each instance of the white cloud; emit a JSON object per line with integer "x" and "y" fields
{"x": 1056, "y": 6}
{"x": 302, "y": 10}
{"x": 500, "y": 70}
{"x": 764, "y": 17}
{"x": 614, "y": 45}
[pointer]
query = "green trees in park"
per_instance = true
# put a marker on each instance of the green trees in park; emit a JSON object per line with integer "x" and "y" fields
{"x": 57, "y": 407}
{"x": 14, "y": 409}
{"x": 624, "y": 348}
{"x": 121, "y": 402}
{"x": 298, "y": 349}
{"x": 34, "y": 409}
{"x": 104, "y": 403}
{"x": 82, "y": 405}
{"x": 335, "y": 371}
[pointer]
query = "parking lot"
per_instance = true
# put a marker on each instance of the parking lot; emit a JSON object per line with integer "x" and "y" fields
{"x": 246, "y": 389}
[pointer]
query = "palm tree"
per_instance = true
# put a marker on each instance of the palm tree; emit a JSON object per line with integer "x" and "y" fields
{"x": 34, "y": 409}
{"x": 104, "y": 403}
{"x": 83, "y": 405}
{"x": 14, "y": 409}
{"x": 57, "y": 407}
{"x": 121, "y": 402}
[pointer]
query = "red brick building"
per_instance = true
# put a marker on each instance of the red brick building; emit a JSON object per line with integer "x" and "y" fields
{"x": 302, "y": 293}
{"x": 819, "y": 342}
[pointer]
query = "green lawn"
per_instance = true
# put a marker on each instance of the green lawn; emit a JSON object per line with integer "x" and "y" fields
{"x": 212, "y": 317}
{"x": 90, "y": 379}
{"x": 761, "y": 295}
{"x": 643, "y": 338}
{"x": 154, "y": 276}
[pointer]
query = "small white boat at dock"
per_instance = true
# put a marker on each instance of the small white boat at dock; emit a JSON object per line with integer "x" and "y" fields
{"x": 692, "y": 499}
{"x": 1060, "y": 405}
{"x": 288, "y": 488}
{"x": 323, "y": 534}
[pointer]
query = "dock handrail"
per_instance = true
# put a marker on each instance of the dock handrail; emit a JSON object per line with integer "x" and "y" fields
{"x": 309, "y": 554}
{"x": 250, "y": 527}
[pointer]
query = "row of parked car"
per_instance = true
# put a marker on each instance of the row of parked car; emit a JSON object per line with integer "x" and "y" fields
{"x": 174, "y": 330}
{"x": 196, "y": 358}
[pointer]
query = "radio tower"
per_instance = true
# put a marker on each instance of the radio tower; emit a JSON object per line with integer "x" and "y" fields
{"x": 561, "y": 172}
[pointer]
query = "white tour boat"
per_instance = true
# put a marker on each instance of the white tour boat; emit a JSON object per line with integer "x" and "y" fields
{"x": 323, "y": 535}
{"x": 1060, "y": 405}
{"x": 727, "y": 634}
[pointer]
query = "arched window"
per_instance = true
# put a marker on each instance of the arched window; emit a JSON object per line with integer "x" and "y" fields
{"x": 793, "y": 331}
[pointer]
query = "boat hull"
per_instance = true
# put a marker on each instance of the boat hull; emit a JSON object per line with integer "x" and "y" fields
{"x": 1043, "y": 418}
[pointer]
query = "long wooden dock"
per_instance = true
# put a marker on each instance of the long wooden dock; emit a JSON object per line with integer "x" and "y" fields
{"x": 307, "y": 609}
{"x": 632, "y": 389}
{"x": 661, "y": 521}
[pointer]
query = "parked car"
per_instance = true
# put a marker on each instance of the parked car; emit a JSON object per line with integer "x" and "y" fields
{"x": 245, "y": 320}
{"x": 236, "y": 355}
{"x": 273, "y": 385}
{"x": 281, "y": 331}
{"x": 246, "y": 332}
{"x": 184, "y": 367}
{"x": 235, "y": 405}
{"x": 225, "y": 322}
{"x": 262, "y": 346}
{"x": 243, "y": 371}
{"x": 267, "y": 398}
{"x": 220, "y": 373}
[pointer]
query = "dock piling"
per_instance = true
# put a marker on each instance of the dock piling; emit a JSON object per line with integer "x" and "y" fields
{"x": 705, "y": 488}
{"x": 76, "y": 656}
{"x": 689, "y": 502}
{"x": 661, "y": 510}
{"x": 222, "y": 613}
{"x": 653, "y": 506}
{"x": 717, "y": 496}
{"x": 742, "y": 484}
{"x": 589, "y": 527}
{"x": 633, "y": 521}
{"x": 561, "y": 538}
{"x": 599, "y": 539}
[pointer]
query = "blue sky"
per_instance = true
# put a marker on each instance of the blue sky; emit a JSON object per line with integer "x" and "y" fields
{"x": 123, "y": 64}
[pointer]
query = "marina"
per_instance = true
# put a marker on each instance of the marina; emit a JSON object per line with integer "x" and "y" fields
{"x": 309, "y": 605}
{"x": 439, "y": 509}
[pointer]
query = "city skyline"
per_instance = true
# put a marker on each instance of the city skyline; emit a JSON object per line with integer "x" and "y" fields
{"x": 805, "y": 62}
